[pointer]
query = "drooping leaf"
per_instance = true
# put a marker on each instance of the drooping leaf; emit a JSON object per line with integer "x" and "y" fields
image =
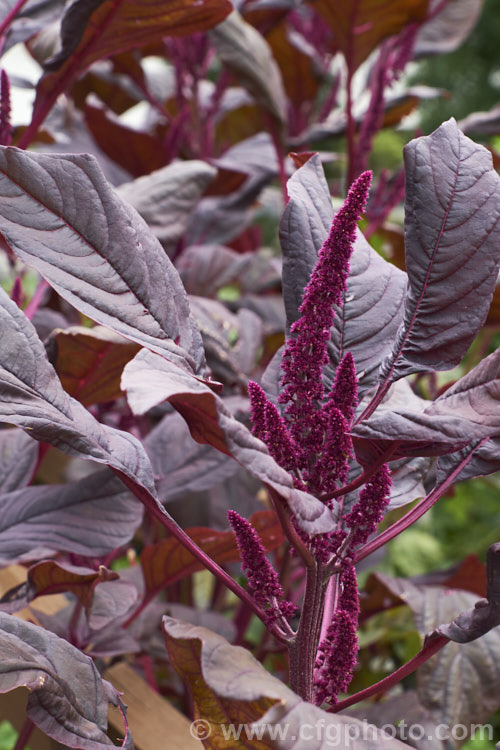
{"x": 52, "y": 577}
{"x": 89, "y": 362}
{"x": 89, "y": 517}
{"x": 359, "y": 28}
{"x": 168, "y": 561}
{"x": 229, "y": 687}
{"x": 110, "y": 602}
{"x": 30, "y": 19}
{"x": 245, "y": 51}
{"x": 407, "y": 481}
{"x": 452, "y": 209}
{"x": 460, "y": 684}
{"x": 61, "y": 217}
{"x": 182, "y": 465}
{"x": 149, "y": 379}
{"x": 481, "y": 123}
{"x": 165, "y": 198}
{"x": 373, "y": 304}
{"x": 485, "y": 460}
{"x": 68, "y": 699}
{"x": 94, "y": 30}
{"x": 31, "y": 397}
{"x": 447, "y": 29}
{"x": 18, "y": 459}
{"x": 464, "y": 413}
{"x": 485, "y": 615}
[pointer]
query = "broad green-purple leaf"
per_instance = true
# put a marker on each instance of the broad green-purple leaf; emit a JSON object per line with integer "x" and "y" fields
{"x": 18, "y": 459}
{"x": 149, "y": 380}
{"x": 166, "y": 197}
{"x": 230, "y": 687}
{"x": 32, "y": 397}
{"x": 452, "y": 211}
{"x": 68, "y": 699}
{"x": 248, "y": 55}
{"x": 461, "y": 683}
{"x": 373, "y": 303}
{"x": 60, "y": 216}
{"x": 90, "y": 517}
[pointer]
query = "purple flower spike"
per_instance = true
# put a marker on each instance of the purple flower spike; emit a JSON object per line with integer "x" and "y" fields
{"x": 367, "y": 513}
{"x": 5, "y": 128}
{"x": 337, "y": 653}
{"x": 344, "y": 394}
{"x": 270, "y": 427}
{"x": 306, "y": 350}
{"x": 262, "y": 577}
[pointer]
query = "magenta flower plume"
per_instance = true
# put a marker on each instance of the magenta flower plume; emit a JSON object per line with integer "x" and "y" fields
{"x": 367, "y": 513}
{"x": 344, "y": 393}
{"x": 262, "y": 577}
{"x": 332, "y": 465}
{"x": 5, "y": 127}
{"x": 269, "y": 426}
{"x": 337, "y": 653}
{"x": 306, "y": 349}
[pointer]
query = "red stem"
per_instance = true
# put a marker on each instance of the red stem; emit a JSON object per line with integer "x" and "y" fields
{"x": 37, "y": 299}
{"x": 4, "y": 26}
{"x": 432, "y": 646}
{"x": 150, "y": 502}
{"x": 24, "y": 734}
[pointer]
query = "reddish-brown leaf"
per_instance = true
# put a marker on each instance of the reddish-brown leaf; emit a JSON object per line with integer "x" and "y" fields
{"x": 168, "y": 561}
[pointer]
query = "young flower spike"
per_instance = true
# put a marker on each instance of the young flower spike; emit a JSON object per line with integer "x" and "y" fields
{"x": 262, "y": 577}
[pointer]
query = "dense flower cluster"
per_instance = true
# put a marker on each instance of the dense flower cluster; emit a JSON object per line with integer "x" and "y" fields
{"x": 336, "y": 658}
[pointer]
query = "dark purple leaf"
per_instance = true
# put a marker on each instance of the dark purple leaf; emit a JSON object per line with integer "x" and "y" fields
{"x": 465, "y": 412}
{"x": 373, "y": 306}
{"x": 31, "y": 396}
{"x": 182, "y": 465}
{"x": 485, "y": 460}
{"x": 150, "y": 379}
{"x": 18, "y": 459}
{"x": 447, "y": 29}
{"x": 60, "y": 216}
{"x": 452, "y": 208}
{"x": 165, "y": 198}
{"x": 407, "y": 480}
{"x": 485, "y": 615}
{"x": 231, "y": 342}
{"x": 68, "y": 699}
{"x": 89, "y": 517}
{"x": 111, "y": 601}
{"x": 461, "y": 683}
{"x": 248, "y": 55}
